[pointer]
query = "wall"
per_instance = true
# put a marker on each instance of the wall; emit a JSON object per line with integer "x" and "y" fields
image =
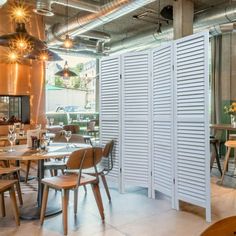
{"x": 65, "y": 97}
{"x": 23, "y": 79}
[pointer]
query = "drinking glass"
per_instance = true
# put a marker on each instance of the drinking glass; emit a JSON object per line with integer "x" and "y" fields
{"x": 51, "y": 121}
{"x": 11, "y": 128}
{"x": 68, "y": 135}
{"x": 11, "y": 139}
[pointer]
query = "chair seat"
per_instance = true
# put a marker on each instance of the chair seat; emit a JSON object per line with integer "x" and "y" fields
{"x": 223, "y": 227}
{"x": 67, "y": 181}
{"x": 6, "y": 184}
{"x": 8, "y": 170}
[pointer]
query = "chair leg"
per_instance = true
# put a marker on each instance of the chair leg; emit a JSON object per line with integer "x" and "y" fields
{"x": 75, "y": 200}
{"x": 14, "y": 205}
{"x": 2, "y": 205}
{"x": 65, "y": 200}
{"x": 27, "y": 170}
{"x": 98, "y": 198}
{"x": 217, "y": 159}
{"x": 44, "y": 203}
{"x": 51, "y": 172}
{"x": 225, "y": 163}
{"x": 106, "y": 186}
{"x": 18, "y": 188}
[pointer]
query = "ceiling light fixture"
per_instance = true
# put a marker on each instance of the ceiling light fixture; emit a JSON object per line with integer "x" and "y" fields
{"x": 19, "y": 12}
{"x": 68, "y": 42}
{"x": 66, "y": 72}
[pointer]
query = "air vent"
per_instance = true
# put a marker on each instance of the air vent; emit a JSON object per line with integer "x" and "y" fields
{"x": 43, "y": 8}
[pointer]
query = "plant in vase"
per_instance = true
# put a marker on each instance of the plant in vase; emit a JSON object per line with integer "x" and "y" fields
{"x": 231, "y": 110}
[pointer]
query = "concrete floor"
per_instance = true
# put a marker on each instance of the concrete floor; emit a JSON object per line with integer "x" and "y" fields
{"x": 132, "y": 213}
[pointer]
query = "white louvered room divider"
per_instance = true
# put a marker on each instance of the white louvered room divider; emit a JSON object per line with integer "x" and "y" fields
{"x": 110, "y": 126}
{"x": 136, "y": 125}
{"x": 155, "y": 105}
{"x": 163, "y": 129}
{"x": 191, "y": 91}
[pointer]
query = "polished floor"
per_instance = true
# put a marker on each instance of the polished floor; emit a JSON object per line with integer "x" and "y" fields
{"x": 131, "y": 214}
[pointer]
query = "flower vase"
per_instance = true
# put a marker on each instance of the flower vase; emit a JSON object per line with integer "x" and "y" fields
{"x": 233, "y": 120}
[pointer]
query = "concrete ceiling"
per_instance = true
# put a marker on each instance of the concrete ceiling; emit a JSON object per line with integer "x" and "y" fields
{"x": 127, "y": 26}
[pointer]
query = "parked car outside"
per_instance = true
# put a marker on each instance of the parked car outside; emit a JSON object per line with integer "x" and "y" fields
{"x": 69, "y": 109}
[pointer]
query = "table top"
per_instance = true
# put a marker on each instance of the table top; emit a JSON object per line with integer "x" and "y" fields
{"x": 23, "y": 153}
{"x": 223, "y": 126}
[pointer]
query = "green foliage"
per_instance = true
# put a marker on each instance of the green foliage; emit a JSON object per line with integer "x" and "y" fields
{"x": 59, "y": 82}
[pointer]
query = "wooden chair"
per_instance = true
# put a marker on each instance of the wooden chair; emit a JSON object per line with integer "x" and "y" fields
{"x": 13, "y": 172}
{"x": 54, "y": 166}
{"x": 73, "y": 128}
{"x": 229, "y": 144}
{"x": 105, "y": 166}
{"x": 78, "y": 160}
{"x": 8, "y": 185}
{"x": 216, "y": 157}
{"x": 224, "y": 227}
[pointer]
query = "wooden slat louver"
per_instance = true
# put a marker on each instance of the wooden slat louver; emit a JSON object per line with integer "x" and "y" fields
{"x": 191, "y": 121}
{"x": 162, "y": 90}
{"x": 110, "y": 108}
{"x": 135, "y": 119}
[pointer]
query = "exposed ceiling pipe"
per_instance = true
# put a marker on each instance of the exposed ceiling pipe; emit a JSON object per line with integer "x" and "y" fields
{"x": 44, "y": 7}
{"x": 101, "y": 36}
{"x": 221, "y": 29}
{"x": 108, "y": 12}
{"x": 79, "y": 53}
{"x": 213, "y": 17}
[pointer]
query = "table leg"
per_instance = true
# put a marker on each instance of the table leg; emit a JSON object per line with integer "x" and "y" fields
{"x": 53, "y": 206}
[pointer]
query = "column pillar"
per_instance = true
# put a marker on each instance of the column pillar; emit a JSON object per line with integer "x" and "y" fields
{"x": 183, "y": 18}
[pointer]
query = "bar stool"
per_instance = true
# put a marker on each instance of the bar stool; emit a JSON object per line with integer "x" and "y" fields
{"x": 213, "y": 142}
{"x": 229, "y": 144}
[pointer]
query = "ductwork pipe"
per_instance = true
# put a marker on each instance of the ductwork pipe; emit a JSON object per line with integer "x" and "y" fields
{"x": 79, "y": 53}
{"x": 221, "y": 29}
{"x": 43, "y": 7}
{"x": 109, "y": 12}
{"x": 101, "y": 36}
{"x": 209, "y": 19}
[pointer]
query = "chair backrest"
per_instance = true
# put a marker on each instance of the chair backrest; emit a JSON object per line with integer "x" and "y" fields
{"x": 107, "y": 156}
{"x": 84, "y": 158}
{"x": 91, "y": 125}
{"x": 73, "y": 128}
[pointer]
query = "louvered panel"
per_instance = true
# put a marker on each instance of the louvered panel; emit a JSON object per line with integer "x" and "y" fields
{"x": 110, "y": 76}
{"x": 162, "y": 120}
{"x": 110, "y": 108}
{"x": 135, "y": 152}
{"x": 136, "y": 75}
{"x": 191, "y": 121}
{"x": 110, "y": 130}
{"x": 136, "y": 111}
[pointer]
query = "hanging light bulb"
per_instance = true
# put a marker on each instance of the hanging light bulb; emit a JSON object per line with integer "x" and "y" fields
{"x": 19, "y": 12}
{"x": 12, "y": 57}
{"x": 68, "y": 43}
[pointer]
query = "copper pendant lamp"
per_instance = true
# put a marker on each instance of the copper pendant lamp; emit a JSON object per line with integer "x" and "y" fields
{"x": 66, "y": 72}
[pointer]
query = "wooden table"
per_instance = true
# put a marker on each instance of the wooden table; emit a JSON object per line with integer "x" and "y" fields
{"x": 22, "y": 153}
{"x": 226, "y": 127}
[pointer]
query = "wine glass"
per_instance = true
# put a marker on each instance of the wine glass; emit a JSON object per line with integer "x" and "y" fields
{"x": 11, "y": 128}
{"x": 68, "y": 135}
{"x": 11, "y": 139}
{"x": 51, "y": 121}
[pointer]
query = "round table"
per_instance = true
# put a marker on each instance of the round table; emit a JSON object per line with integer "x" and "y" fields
{"x": 23, "y": 153}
